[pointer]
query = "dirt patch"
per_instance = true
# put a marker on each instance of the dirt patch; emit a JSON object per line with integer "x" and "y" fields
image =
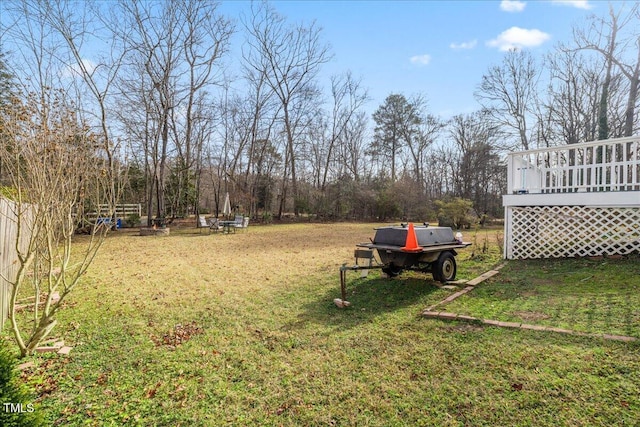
{"x": 528, "y": 294}
{"x": 179, "y": 334}
{"x": 530, "y": 315}
{"x": 540, "y": 281}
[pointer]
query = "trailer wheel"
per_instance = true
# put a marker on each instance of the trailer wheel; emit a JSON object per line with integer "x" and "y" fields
{"x": 444, "y": 269}
{"x": 392, "y": 270}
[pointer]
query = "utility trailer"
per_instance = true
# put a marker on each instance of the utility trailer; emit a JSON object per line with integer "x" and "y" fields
{"x": 408, "y": 247}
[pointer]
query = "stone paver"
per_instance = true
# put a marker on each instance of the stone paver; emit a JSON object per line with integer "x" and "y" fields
{"x": 428, "y": 313}
{"x": 65, "y": 350}
{"x": 26, "y": 365}
{"x": 509, "y": 324}
{"x": 619, "y": 338}
{"x": 534, "y": 327}
{"x": 467, "y": 318}
{"x": 447, "y": 316}
{"x": 482, "y": 278}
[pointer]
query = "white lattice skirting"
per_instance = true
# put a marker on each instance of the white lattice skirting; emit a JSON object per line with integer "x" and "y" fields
{"x": 571, "y": 231}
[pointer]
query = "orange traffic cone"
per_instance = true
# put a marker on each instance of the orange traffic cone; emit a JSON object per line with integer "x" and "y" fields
{"x": 411, "y": 245}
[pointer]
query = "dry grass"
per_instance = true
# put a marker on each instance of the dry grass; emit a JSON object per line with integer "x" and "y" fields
{"x": 190, "y": 266}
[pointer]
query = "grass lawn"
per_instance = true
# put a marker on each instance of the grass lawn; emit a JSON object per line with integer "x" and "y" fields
{"x": 196, "y": 330}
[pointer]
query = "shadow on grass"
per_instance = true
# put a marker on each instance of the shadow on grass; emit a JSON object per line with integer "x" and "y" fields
{"x": 370, "y": 298}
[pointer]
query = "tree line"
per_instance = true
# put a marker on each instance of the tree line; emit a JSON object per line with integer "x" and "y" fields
{"x": 180, "y": 115}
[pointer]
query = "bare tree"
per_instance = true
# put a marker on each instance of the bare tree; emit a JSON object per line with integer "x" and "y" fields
{"x": 262, "y": 110}
{"x": 8, "y": 89}
{"x": 478, "y": 164}
{"x": 352, "y": 149}
{"x": 348, "y": 97}
{"x": 62, "y": 158}
{"x": 72, "y": 23}
{"x": 174, "y": 51}
{"x": 606, "y": 36}
{"x": 205, "y": 41}
{"x": 508, "y": 91}
{"x": 289, "y": 57}
{"x": 573, "y": 100}
{"x": 57, "y": 165}
{"x": 439, "y": 178}
{"x": 419, "y": 144}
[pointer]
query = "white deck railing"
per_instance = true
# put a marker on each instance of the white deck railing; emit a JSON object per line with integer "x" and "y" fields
{"x": 607, "y": 165}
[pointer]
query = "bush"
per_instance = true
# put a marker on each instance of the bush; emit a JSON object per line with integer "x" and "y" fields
{"x": 267, "y": 217}
{"x": 133, "y": 220}
{"x": 455, "y": 213}
{"x": 16, "y": 403}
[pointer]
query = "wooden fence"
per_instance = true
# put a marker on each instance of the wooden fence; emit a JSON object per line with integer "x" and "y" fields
{"x": 8, "y": 254}
{"x": 122, "y": 210}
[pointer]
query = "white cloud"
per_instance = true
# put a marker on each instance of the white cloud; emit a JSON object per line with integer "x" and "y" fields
{"x": 74, "y": 70}
{"x": 464, "y": 45}
{"x": 512, "y": 5}
{"x": 518, "y": 38}
{"x": 579, "y": 4}
{"x": 420, "y": 59}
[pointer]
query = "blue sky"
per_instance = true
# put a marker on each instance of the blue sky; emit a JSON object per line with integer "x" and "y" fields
{"x": 437, "y": 48}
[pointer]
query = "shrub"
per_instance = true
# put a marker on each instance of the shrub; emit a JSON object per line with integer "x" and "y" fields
{"x": 267, "y": 217}
{"x": 455, "y": 213}
{"x": 133, "y": 220}
{"x": 16, "y": 402}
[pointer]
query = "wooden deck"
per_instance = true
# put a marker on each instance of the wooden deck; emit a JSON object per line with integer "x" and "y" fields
{"x": 574, "y": 200}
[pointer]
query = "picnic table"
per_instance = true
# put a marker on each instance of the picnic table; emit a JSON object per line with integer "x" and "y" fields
{"x": 227, "y": 226}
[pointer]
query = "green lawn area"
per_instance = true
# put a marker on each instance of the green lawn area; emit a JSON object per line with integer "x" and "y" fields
{"x": 196, "y": 330}
{"x": 592, "y": 296}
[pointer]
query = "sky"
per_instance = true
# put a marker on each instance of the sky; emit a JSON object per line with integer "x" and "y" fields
{"x": 439, "y": 49}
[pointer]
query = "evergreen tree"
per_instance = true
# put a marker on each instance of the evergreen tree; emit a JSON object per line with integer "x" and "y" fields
{"x": 7, "y": 82}
{"x": 397, "y": 122}
{"x": 7, "y": 90}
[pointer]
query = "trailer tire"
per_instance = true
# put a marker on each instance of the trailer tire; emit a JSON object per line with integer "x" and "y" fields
{"x": 392, "y": 270}
{"x": 444, "y": 269}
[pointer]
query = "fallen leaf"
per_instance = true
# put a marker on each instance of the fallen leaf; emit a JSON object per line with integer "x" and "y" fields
{"x": 152, "y": 391}
{"x": 102, "y": 379}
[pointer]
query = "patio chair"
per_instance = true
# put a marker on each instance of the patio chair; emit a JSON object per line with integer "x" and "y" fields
{"x": 202, "y": 222}
{"x": 242, "y": 222}
{"x": 214, "y": 225}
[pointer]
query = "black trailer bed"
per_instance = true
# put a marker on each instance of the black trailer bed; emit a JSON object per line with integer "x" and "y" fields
{"x": 425, "y": 248}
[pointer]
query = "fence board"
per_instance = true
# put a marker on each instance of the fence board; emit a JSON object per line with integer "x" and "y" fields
{"x": 8, "y": 253}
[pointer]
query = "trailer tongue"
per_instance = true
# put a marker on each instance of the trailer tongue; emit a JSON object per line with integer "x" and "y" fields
{"x": 405, "y": 247}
